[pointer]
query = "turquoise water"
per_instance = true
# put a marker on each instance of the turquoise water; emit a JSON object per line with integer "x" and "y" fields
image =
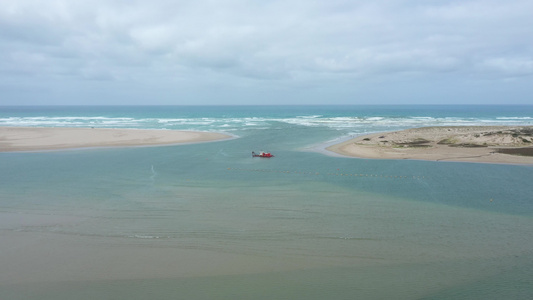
{"x": 208, "y": 221}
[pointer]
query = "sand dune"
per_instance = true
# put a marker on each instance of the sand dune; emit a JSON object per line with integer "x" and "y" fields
{"x": 491, "y": 144}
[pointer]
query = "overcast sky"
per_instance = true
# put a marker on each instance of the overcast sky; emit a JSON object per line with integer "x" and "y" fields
{"x": 271, "y": 52}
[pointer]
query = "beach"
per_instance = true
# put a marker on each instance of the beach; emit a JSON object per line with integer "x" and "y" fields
{"x": 209, "y": 221}
{"x": 42, "y": 138}
{"x": 488, "y": 144}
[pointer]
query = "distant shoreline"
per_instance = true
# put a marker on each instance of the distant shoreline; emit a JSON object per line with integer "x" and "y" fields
{"x": 23, "y": 139}
{"x": 488, "y": 144}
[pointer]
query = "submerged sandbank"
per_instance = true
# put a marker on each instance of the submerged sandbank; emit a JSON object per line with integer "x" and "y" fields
{"x": 42, "y": 138}
{"x": 489, "y": 144}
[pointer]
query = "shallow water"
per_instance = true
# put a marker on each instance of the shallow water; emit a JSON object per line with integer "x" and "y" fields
{"x": 208, "y": 221}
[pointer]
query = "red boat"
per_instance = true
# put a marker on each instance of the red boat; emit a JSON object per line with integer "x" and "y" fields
{"x": 262, "y": 154}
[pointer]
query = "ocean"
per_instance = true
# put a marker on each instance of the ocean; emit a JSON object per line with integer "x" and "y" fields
{"x": 208, "y": 221}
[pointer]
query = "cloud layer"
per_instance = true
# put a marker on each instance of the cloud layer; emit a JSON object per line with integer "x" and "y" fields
{"x": 232, "y": 52}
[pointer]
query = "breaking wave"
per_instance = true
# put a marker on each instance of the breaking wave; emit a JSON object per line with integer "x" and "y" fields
{"x": 228, "y": 124}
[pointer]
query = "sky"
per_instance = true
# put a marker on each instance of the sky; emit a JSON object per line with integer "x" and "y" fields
{"x": 235, "y": 52}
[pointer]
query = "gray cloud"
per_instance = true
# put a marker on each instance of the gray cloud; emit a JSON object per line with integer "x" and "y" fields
{"x": 348, "y": 48}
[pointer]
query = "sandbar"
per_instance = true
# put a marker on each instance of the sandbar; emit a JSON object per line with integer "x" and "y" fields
{"x": 16, "y": 139}
{"x": 487, "y": 144}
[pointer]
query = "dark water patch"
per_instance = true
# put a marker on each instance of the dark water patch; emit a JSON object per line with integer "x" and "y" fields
{"x": 509, "y": 283}
{"x": 516, "y": 151}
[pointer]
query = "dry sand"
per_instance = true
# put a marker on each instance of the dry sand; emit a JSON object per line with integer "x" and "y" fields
{"x": 39, "y": 139}
{"x": 489, "y": 144}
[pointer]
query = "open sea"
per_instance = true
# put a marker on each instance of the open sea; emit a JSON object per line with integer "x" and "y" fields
{"x": 208, "y": 221}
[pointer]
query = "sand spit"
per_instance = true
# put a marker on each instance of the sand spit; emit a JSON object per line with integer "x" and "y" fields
{"x": 40, "y": 139}
{"x": 489, "y": 144}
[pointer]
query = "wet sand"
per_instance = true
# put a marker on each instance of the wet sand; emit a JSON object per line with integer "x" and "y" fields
{"x": 40, "y": 139}
{"x": 488, "y": 144}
